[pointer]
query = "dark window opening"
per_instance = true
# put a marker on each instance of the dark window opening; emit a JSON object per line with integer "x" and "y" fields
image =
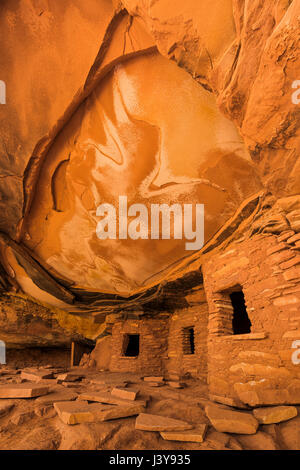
{"x": 131, "y": 345}
{"x": 188, "y": 341}
{"x": 241, "y": 323}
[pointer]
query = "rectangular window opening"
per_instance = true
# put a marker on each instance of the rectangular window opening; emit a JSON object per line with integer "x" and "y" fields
{"x": 241, "y": 323}
{"x": 131, "y": 345}
{"x": 188, "y": 340}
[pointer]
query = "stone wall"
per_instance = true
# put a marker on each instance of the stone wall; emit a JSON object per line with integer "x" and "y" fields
{"x": 180, "y": 359}
{"x": 255, "y": 368}
{"x": 152, "y": 348}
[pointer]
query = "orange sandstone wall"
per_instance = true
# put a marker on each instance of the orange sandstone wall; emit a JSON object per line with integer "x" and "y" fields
{"x": 153, "y": 346}
{"x": 162, "y": 344}
{"x": 179, "y": 362}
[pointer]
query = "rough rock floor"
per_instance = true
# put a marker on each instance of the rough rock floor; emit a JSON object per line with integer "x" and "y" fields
{"x": 30, "y": 425}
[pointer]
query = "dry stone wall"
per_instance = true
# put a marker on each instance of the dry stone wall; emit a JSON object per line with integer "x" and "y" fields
{"x": 153, "y": 334}
{"x": 180, "y": 357}
{"x": 257, "y": 367}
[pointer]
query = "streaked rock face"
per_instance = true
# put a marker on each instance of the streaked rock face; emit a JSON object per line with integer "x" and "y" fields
{"x": 148, "y": 132}
{"x": 44, "y": 62}
{"x": 157, "y": 102}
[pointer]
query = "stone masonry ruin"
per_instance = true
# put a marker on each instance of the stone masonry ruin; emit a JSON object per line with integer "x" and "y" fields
{"x": 126, "y": 105}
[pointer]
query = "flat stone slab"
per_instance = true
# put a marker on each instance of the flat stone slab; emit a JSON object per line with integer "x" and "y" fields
{"x": 24, "y": 390}
{"x": 235, "y": 403}
{"x": 226, "y": 420}
{"x": 273, "y": 415}
{"x": 149, "y": 422}
{"x": 5, "y": 408}
{"x": 9, "y": 372}
{"x": 153, "y": 379}
{"x": 55, "y": 370}
{"x": 126, "y": 394}
{"x": 76, "y": 412}
{"x": 267, "y": 397}
{"x": 56, "y": 397}
{"x": 70, "y": 384}
{"x": 155, "y": 384}
{"x": 195, "y": 435}
{"x": 112, "y": 382}
{"x": 122, "y": 411}
{"x": 36, "y": 376}
{"x": 176, "y": 384}
{"x": 69, "y": 377}
{"x": 106, "y": 397}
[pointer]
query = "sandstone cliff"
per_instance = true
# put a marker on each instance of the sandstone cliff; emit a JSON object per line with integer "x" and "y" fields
{"x": 155, "y": 101}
